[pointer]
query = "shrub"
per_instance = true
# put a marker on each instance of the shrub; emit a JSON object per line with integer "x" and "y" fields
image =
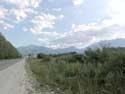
{"x": 100, "y": 71}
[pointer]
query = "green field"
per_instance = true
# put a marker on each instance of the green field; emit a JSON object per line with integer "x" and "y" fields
{"x": 99, "y": 71}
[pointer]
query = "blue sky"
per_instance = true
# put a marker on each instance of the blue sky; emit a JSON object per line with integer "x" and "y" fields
{"x": 61, "y": 23}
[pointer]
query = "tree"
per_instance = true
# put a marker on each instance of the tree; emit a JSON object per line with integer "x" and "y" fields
{"x": 7, "y": 50}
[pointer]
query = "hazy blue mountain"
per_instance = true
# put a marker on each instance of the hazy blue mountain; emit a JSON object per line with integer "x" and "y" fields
{"x": 111, "y": 43}
{"x": 33, "y": 49}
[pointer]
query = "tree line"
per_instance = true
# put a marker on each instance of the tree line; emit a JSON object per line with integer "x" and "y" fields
{"x": 7, "y": 50}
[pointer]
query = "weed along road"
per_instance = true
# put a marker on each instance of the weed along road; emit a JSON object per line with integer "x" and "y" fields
{"x": 12, "y": 77}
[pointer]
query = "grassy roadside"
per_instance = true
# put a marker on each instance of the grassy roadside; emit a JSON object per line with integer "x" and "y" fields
{"x": 96, "y": 72}
{"x": 33, "y": 86}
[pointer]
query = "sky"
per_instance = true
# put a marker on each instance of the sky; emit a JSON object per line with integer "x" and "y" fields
{"x": 61, "y": 23}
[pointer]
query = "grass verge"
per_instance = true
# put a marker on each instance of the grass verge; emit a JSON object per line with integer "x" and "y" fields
{"x": 96, "y": 72}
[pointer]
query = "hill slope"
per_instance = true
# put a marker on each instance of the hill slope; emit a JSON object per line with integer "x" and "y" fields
{"x": 7, "y": 50}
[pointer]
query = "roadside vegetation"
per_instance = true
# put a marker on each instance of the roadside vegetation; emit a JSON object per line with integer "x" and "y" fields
{"x": 98, "y": 71}
{"x": 7, "y": 50}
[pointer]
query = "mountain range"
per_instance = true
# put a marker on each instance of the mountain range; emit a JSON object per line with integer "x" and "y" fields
{"x": 33, "y": 49}
{"x": 110, "y": 43}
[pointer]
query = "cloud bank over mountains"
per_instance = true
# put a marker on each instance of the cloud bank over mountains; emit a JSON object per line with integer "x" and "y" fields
{"x": 64, "y": 23}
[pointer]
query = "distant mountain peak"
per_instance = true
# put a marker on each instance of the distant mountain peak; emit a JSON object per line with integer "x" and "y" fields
{"x": 41, "y": 49}
{"x": 34, "y": 49}
{"x": 113, "y": 43}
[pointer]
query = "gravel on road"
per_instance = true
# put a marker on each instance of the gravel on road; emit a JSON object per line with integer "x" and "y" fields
{"x": 13, "y": 79}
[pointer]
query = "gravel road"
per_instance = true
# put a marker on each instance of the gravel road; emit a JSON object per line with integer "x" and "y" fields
{"x": 6, "y": 63}
{"x": 13, "y": 78}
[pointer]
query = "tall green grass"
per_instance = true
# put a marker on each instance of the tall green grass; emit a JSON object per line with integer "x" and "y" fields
{"x": 100, "y": 71}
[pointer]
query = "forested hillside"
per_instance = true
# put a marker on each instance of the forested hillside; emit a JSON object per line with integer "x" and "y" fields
{"x": 7, "y": 50}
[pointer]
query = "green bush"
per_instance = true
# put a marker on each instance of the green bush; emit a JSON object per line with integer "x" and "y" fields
{"x": 100, "y": 71}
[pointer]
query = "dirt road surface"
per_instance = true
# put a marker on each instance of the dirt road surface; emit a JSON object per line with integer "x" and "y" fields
{"x": 13, "y": 78}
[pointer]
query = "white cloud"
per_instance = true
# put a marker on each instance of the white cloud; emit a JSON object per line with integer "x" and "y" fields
{"x": 3, "y": 12}
{"x": 21, "y": 8}
{"x": 57, "y": 9}
{"x": 84, "y": 35}
{"x": 19, "y": 3}
{"x": 77, "y": 3}
{"x": 107, "y": 29}
{"x": 116, "y": 12}
{"x": 41, "y": 22}
{"x": 44, "y": 21}
{"x": 20, "y": 14}
{"x": 47, "y": 39}
{"x": 35, "y": 3}
{"x": 5, "y": 25}
{"x": 60, "y": 16}
{"x": 24, "y": 3}
{"x": 80, "y": 36}
{"x": 92, "y": 26}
